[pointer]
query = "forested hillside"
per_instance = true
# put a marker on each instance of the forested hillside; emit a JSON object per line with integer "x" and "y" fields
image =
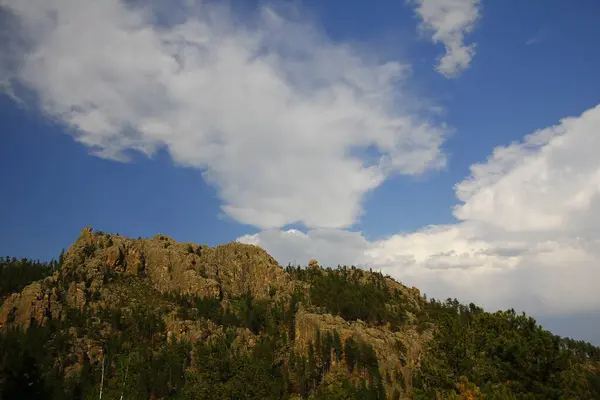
{"x": 153, "y": 318}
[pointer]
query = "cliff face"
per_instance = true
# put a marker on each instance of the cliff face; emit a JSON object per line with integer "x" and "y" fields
{"x": 96, "y": 259}
{"x": 228, "y": 270}
{"x": 153, "y": 318}
{"x": 110, "y": 272}
{"x": 398, "y": 353}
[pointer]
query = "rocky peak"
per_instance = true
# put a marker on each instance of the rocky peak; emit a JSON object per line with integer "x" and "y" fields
{"x": 230, "y": 270}
{"x": 96, "y": 258}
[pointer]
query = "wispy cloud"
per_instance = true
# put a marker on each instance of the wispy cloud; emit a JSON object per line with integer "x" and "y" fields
{"x": 537, "y": 38}
{"x": 447, "y": 22}
{"x": 271, "y": 110}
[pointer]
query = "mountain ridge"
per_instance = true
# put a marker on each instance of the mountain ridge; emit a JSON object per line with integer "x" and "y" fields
{"x": 315, "y": 332}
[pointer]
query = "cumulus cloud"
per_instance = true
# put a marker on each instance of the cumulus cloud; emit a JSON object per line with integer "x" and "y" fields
{"x": 548, "y": 182}
{"x": 332, "y": 246}
{"x": 447, "y": 22}
{"x": 273, "y": 112}
{"x": 528, "y": 235}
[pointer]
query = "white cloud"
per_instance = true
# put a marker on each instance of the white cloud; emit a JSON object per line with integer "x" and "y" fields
{"x": 448, "y": 21}
{"x": 274, "y": 113}
{"x": 271, "y": 110}
{"x": 548, "y": 182}
{"x": 331, "y": 246}
{"x": 529, "y": 235}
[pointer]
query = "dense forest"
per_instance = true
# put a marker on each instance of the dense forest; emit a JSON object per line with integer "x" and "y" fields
{"x": 249, "y": 347}
{"x": 16, "y": 274}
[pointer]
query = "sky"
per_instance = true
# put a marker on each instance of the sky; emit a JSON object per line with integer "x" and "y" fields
{"x": 451, "y": 144}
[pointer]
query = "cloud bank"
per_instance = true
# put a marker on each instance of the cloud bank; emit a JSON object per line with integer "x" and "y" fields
{"x": 447, "y": 22}
{"x": 277, "y": 117}
{"x": 527, "y": 236}
{"x": 293, "y": 128}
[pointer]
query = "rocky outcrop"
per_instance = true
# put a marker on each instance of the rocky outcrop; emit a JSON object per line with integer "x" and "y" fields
{"x": 192, "y": 331}
{"x": 399, "y": 353}
{"x": 155, "y": 266}
{"x": 96, "y": 258}
{"x": 227, "y": 270}
{"x": 37, "y": 302}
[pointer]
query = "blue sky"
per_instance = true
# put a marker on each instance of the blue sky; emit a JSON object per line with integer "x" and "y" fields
{"x": 390, "y": 135}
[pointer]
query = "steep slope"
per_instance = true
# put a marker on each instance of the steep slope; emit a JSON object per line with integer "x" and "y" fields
{"x": 96, "y": 259}
{"x": 153, "y": 318}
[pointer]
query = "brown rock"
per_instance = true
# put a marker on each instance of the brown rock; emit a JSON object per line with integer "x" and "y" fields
{"x": 232, "y": 269}
{"x": 76, "y": 295}
{"x": 393, "y": 349}
{"x": 35, "y": 302}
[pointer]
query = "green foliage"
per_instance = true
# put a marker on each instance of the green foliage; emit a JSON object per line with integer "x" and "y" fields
{"x": 195, "y": 307}
{"x": 307, "y": 372}
{"x": 89, "y": 249}
{"x": 28, "y": 366}
{"x": 353, "y": 294}
{"x": 504, "y": 354}
{"x": 223, "y": 372}
{"x": 473, "y": 354}
{"x": 337, "y": 345}
{"x": 351, "y": 353}
{"x": 342, "y": 389}
{"x": 260, "y": 316}
{"x": 16, "y": 274}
